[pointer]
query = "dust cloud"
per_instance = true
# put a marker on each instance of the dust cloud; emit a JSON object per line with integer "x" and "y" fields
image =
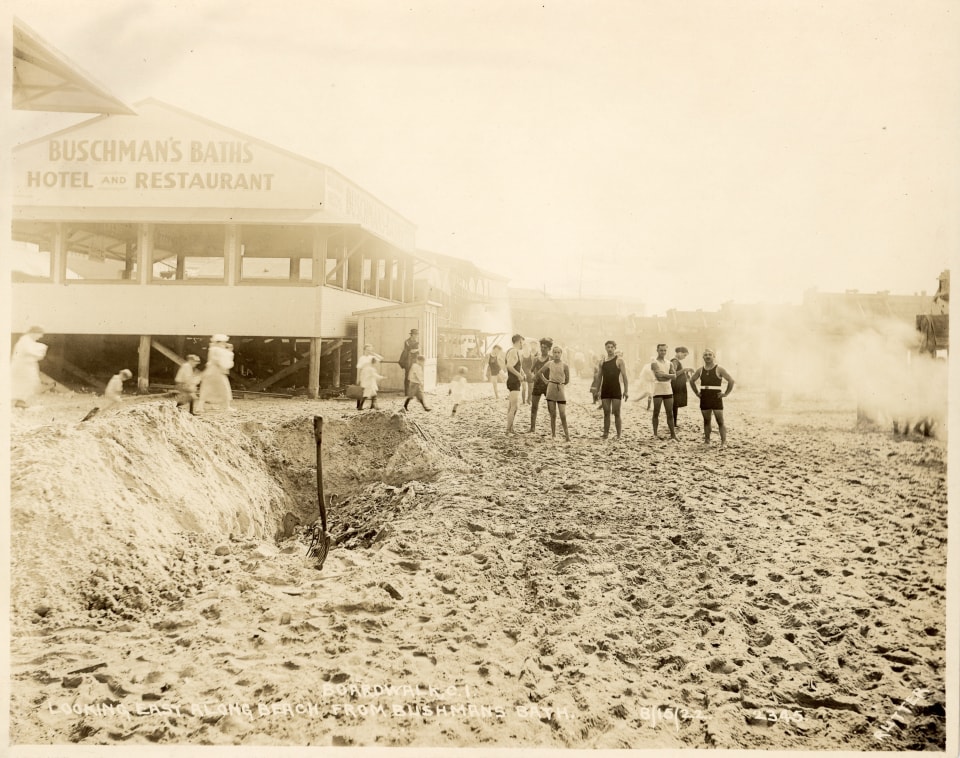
{"x": 874, "y": 361}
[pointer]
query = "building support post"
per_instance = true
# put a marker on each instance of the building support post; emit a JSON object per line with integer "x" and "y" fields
{"x": 319, "y": 274}
{"x": 59, "y": 253}
{"x": 232, "y": 263}
{"x": 313, "y": 375}
{"x": 144, "y": 253}
{"x": 143, "y": 367}
{"x": 336, "y": 367}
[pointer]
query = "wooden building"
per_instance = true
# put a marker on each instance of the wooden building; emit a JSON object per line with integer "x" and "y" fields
{"x": 473, "y": 314}
{"x": 146, "y": 234}
{"x": 387, "y": 328}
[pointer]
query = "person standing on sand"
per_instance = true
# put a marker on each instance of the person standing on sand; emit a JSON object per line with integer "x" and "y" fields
{"x": 710, "y": 394}
{"x": 557, "y": 376}
{"x": 610, "y": 373}
{"x": 492, "y": 368}
{"x": 187, "y": 381}
{"x": 113, "y": 394}
{"x": 662, "y": 391}
{"x": 515, "y": 379}
{"x": 526, "y": 366}
{"x": 408, "y": 356}
{"x": 646, "y": 380}
{"x": 680, "y": 380}
{"x": 539, "y": 388}
{"x": 214, "y": 382}
{"x": 368, "y": 377}
{"x": 458, "y": 388}
{"x": 415, "y": 387}
{"x": 25, "y": 367}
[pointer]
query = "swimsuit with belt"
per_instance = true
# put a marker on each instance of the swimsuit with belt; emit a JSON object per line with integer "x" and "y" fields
{"x": 711, "y": 398}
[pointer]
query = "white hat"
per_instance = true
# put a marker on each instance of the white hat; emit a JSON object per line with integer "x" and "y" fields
{"x": 219, "y": 338}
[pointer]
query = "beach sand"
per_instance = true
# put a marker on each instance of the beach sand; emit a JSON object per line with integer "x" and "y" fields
{"x": 786, "y": 592}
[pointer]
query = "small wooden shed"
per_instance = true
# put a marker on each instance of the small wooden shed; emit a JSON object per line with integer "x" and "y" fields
{"x": 387, "y": 328}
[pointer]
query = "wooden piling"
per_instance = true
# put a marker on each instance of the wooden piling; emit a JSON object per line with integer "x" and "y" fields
{"x": 320, "y": 550}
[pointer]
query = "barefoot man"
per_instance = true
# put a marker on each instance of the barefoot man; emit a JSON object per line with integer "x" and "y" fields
{"x": 515, "y": 379}
{"x": 663, "y": 390}
{"x": 557, "y": 375}
{"x": 611, "y": 374}
{"x": 539, "y": 383}
{"x": 710, "y": 394}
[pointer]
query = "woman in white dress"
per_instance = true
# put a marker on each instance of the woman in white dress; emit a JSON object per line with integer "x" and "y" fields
{"x": 214, "y": 382}
{"x": 368, "y": 377}
{"x": 25, "y": 367}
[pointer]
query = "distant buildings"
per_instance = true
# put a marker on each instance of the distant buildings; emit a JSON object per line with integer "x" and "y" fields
{"x": 757, "y": 341}
{"x": 580, "y": 323}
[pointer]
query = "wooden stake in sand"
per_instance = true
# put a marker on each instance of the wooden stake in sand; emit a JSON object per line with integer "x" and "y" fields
{"x": 320, "y": 539}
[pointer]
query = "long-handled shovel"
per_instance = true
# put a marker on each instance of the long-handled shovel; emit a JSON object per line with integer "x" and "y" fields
{"x": 319, "y": 538}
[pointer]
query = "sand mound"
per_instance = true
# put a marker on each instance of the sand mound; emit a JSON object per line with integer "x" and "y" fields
{"x": 121, "y": 513}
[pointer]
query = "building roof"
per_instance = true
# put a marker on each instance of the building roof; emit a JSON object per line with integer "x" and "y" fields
{"x": 442, "y": 260}
{"x": 523, "y": 298}
{"x": 855, "y": 306}
{"x": 44, "y": 79}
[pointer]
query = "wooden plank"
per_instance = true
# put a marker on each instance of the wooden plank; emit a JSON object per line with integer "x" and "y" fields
{"x": 65, "y": 365}
{"x": 335, "y": 345}
{"x": 167, "y": 352}
{"x": 332, "y": 276}
{"x": 282, "y": 373}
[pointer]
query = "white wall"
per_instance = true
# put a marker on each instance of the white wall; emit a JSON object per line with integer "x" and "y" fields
{"x": 338, "y": 307}
{"x": 261, "y": 311}
{"x": 250, "y": 310}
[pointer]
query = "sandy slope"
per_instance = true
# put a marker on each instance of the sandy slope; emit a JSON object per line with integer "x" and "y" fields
{"x": 787, "y": 592}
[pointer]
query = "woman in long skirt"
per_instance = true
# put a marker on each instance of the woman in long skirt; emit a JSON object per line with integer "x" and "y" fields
{"x": 214, "y": 382}
{"x": 25, "y": 367}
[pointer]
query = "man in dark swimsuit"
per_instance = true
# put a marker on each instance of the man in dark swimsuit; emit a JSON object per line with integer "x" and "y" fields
{"x": 539, "y": 384}
{"x": 610, "y": 373}
{"x": 515, "y": 379}
{"x": 710, "y": 394}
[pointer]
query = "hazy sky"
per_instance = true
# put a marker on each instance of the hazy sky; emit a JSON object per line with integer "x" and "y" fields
{"x": 684, "y": 153}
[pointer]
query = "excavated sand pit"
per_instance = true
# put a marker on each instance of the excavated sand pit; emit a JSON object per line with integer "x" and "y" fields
{"x": 112, "y": 514}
